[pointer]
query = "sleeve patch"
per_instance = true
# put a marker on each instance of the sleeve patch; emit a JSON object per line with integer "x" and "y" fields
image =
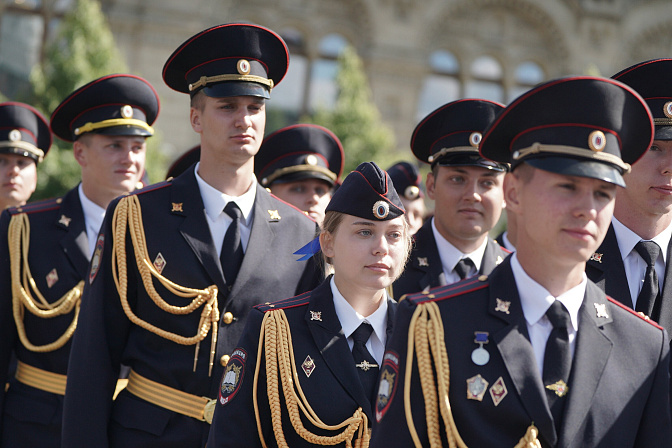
{"x": 233, "y": 376}
{"x": 387, "y": 387}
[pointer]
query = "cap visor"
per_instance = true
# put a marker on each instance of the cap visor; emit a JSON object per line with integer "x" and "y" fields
{"x": 663, "y": 133}
{"x": 122, "y": 130}
{"x": 470, "y": 159}
{"x": 303, "y": 175}
{"x": 236, "y": 88}
{"x": 579, "y": 167}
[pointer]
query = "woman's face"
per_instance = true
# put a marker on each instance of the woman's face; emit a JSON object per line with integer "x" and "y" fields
{"x": 367, "y": 255}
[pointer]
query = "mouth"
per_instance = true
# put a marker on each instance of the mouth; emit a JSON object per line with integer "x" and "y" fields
{"x": 378, "y": 267}
{"x": 663, "y": 189}
{"x": 470, "y": 211}
{"x": 580, "y": 233}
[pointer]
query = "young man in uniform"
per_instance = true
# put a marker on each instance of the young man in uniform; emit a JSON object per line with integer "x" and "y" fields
{"x": 633, "y": 263}
{"x": 179, "y": 265}
{"x": 535, "y": 354}
{"x": 300, "y": 164}
{"x": 467, "y": 191}
{"x": 25, "y": 141}
{"x": 46, "y": 248}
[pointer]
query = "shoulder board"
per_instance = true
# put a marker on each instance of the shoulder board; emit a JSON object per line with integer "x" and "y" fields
{"x": 631, "y": 311}
{"x": 292, "y": 302}
{"x": 290, "y": 205}
{"x": 48, "y": 204}
{"x": 156, "y": 186}
{"x": 449, "y": 291}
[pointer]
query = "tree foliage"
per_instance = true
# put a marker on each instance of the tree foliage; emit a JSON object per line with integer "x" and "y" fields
{"x": 355, "y": 118}
{"x": 83, "y": 50}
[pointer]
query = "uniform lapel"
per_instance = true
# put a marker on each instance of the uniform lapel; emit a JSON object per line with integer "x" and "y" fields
{"x": 516, "y": 350}
{"x": 592, "y": 352}
{"x": 665, "y": 318}
{"x": 606, "y": 269}
{"x": 194, "y": 227}
{"x": 333, "y": 346}
{"x": 427, "y": 259}
{"x": 492, "y": 256}
{"x": 74, "y": 242}
{"x": 266, "y": 216}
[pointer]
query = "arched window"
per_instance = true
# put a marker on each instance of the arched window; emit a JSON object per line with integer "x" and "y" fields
{"x": 527, "y": 75}
{"x": 323, "y": 90}
{"x": 442, "y": 85}
{"x": 485, "y": 79}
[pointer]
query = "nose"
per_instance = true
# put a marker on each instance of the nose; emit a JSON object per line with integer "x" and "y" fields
{"x": 587, "y": 207}
{"x": 667, "y": 163}
{"x": 472, "y": 192}
{"x": 381, "y": 247}
{"x": 243, "y": 119}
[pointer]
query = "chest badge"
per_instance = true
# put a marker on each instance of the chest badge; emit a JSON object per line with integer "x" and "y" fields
{"x": 52, "y": 278}
{"x": 498, "y": 391}
{"x": 159, "y": 263}
{"x": 476, "y": 388}
{"x": 308, "y": 366}
{"x": 480, "y": 356}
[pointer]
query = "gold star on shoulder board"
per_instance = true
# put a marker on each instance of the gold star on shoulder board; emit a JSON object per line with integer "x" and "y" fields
{"x": 65, "y": 221}
{"x": 274, "y": 214}
{"x": 177, "y": 207}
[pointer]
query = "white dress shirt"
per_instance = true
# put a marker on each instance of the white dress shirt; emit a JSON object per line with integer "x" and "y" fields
{"x": 450, "y": 255}
{"x": 634, "y": 264}
{"x": 351, "y": 320}
{"x": 94, "y": 215}
{"x": 536, "y": 300}
{"x": 218, "y": 221}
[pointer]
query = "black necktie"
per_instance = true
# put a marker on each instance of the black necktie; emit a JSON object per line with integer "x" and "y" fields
{"x": 646, "y": 300}
{"x": 463, "y": 267}
{"x": 232, "y": 249}
{"x": 557, "y": 361}
{"x": 366, "y": 365}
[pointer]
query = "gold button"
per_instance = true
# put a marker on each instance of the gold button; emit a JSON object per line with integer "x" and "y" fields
{"x": 228, "y": 317}
{"x": 224, "y": 360}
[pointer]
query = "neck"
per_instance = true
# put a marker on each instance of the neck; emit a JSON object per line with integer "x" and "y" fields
{"x": 365, "y": 302}
{"x": 98, "y": 196}
{"x": 646, "y": 226}
{"x": 233, "y": 180}
{"x": 556, "y": 278}
{"x": 466, "y": 246}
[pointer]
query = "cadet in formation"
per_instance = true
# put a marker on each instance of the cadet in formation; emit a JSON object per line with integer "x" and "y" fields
{"x": 300, "y": 164}
{"x": 535, "y": 355}
{"x": 305, "y": 370}
{"x": 467, "y": 191}
{"x": 408, "y": 183}
{"x": 25, "y": 141}
{"x": 633, "y": 263}
{"x": 45, "y": 254}
{"x": 177, "y": 265}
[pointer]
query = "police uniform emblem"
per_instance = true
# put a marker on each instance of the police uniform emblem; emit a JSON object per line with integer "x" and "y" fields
{"x": 316, "y": 315}
{"x": 559, "y": 387}
{"x": 502, "y": 306}
{"x": 95, "y": 260}
{"x": 498, "y": 391}
{"x": 476, "y": 388}
{"x": 233, "y": 376}
{"x": 596, "y": 257}
{"x": 14, "y": 135}
{"x": 381, "y": 209}
{"x": 388, "y": 383}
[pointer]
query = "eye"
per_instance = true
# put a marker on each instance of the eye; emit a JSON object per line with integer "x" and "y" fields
{"x": 488, "y": 183}
{"x": 655, "y": 148}
{"x": 456, "y": 179}
{"x": 365, "y": 232}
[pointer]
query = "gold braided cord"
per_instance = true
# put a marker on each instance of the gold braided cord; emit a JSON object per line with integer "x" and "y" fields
{"x": 26, "y": 146}
{"x": 88, "y": 127}
{"x": 129, "y": 214}
{"x": 572, "y": 151}
{"x": 426, "y": 336}
{"x": 18, "y": 236}
{"x": 205, "y": 80}
{"x": 276, "y": 340}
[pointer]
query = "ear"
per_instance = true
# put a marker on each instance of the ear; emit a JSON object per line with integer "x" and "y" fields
{"x": 429, "y": 184}
{"x": 327, "y": 244}
{"x": 195, "y": 120}
{"x": 512, "y": 190}
{"x": 79, "y": 151}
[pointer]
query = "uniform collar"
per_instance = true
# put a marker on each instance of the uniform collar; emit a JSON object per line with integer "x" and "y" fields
{"x": 215, "y": 201}
{"x": 450, "y": 255}
{"x": 535, "y": 299}
{"x": 627, "y": 239}
{"x": 351, "y": 319}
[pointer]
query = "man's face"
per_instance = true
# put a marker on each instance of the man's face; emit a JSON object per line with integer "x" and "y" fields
{"x": 468, "y": 203}
{"x": 309, "y": 195}
{"x": 415, "y": 213}
{"x": 18, "y": 177}
{"x": 559, "y": 218}
{"x": 115, "y": 162}
{"x": 232, "y": 128}
{"x": 649, "y": 184}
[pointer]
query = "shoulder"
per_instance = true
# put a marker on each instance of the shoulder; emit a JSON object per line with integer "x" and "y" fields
{"x": 444, "y": 293}
{"x": 152, "y": 188}
{"x": 629, "y": 313}
{"x": 284, "y": 304}
{"x": 285, "y": 209}
{"x": 37, "y": 207}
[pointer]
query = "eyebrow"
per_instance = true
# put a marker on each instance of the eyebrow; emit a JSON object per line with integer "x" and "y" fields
{"x": 363, "y": 223}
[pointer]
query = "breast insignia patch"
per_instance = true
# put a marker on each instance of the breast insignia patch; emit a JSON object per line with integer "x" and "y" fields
{"x": 233, "y": 376}
{"x": 498, "y": 391}
{"x": 159, "y": 263}
{"x": 388, "y": 384}
{"x": 308, "y": 366}
{"x": 52, "y": 278}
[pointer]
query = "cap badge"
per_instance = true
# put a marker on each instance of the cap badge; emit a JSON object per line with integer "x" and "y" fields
{"x": 308, "y": 366}
{"x": 14, "y": 135}
{"x": 381, "y": 209}
{"x": 127, "y": 111}
{"x": 475, "y": 139}
{"x": 476, "y": 388}
{"x": 311, "y": 160}
{"x": 411, "y": 192}
{"x": 498, "y": 391}
{"x": 597, "y": 141}
{"x": 667, "y": 109}
{"x": 244, "y": 67}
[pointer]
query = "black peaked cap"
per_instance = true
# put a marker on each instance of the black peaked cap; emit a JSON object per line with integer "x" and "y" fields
{"x": 23, "y": 131}
{"x": 406, "y": 179}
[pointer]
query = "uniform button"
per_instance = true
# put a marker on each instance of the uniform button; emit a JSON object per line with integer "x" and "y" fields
{"x": 228, "y": 317}
{"x": 224, "y": 360}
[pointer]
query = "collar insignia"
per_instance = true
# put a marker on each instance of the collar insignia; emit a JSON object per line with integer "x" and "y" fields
{"x": 316, "y": 315}
{"x": 596, "y": 257}
{"x": 177, "y": 207}
{"x": 502, "y": 306}
{"x": 601, "y": 310}
{"x": 274, "y": 214}
{"x": 423, "y": 261}
{"x": 65, "y": 221}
